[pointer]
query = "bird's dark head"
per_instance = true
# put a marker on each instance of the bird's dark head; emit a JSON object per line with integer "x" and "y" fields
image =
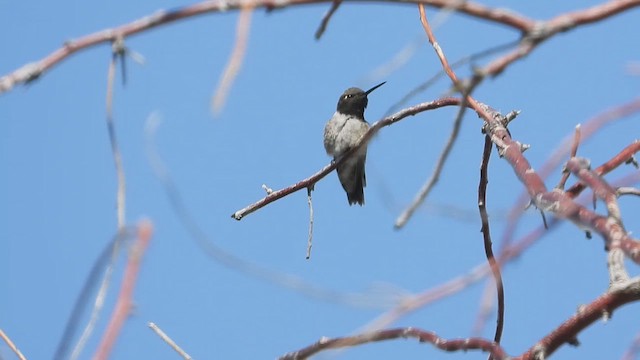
{"x": 354, "y": 100}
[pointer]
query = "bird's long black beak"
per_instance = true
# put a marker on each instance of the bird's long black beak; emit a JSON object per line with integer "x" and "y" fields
{"x": 375, "y": 87}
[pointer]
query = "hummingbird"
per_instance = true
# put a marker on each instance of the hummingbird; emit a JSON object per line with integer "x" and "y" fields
{"x": 342, "y": 132}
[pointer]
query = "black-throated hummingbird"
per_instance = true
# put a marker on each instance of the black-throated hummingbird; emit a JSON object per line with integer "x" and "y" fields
{"x": 342, "y": 132}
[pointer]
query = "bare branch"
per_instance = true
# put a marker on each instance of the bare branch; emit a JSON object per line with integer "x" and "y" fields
{"x": 169, "y": 341}
{"x": 421, "y": 335}
{"x": 311, "y": 180}
{"x": 115, "y": 150}
{"x": 574, "y": 151}
{"x": 621, "y": 158}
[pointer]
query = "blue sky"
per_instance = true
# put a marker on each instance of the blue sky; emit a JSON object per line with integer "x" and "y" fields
{"x": 59, "y": 184}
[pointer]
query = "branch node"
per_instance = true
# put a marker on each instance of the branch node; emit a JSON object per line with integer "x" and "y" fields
{"x": 267, "y": 189}
{"x": 573, "y": 341}
{"x": 539, "y": 352}
{"x": 511, "y": 115}
{"x": 632, "y": 161}
{"x": 29, "y": 72}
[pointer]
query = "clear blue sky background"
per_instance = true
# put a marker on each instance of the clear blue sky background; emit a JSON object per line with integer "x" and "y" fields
{"x": 57, "y": 191}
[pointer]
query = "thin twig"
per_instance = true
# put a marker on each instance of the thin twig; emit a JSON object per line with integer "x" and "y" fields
{"x": 621, "y": 158}
{"x": 169, "y": 341}
{"x": 124, "y": 303}
{"x": 426, "y": 188}
{"x": 235, "y": 60}
{"x": 115, "y": 151}
{"x": 335, "y": 4}
{"x": 310, "y": 239}
{"x": 486, "y": 234}
{"x": 11, "y": 345}
{"x": 118, "y": 53}
{"x": 459, "y": 86}
{"x": 467, "y": 99}
{"x": 574, "y": 152}
{"x": 440, "y": 73}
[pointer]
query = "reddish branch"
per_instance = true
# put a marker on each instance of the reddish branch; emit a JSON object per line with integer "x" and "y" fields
{"x": 311, "y": 180}
{"x": 557, "y": 202}
{"x": 621, "y": 158}
{"x": 582, "y": 169}
{"x": 563, "y": 206}
{"x": 125, "y": 298}
{"x": 574, "y": 152}
{"x": 544, "y": 30}
{"x": 34, "y": 70}
{"x": 588, "y": 129}
{"x": 421, "y": 335}
{"x": 532, "y": 31}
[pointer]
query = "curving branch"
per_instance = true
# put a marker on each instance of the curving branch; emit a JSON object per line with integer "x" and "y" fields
{"x": 33, "y": 70}
{"x": 421, "y": 335}
{"x": 486, "y": 234}
{"x": 566, "y": 333}
{"x": 373, "y": 130}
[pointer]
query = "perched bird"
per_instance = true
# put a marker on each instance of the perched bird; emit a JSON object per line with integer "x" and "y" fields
{"x": 342, "y": 132}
